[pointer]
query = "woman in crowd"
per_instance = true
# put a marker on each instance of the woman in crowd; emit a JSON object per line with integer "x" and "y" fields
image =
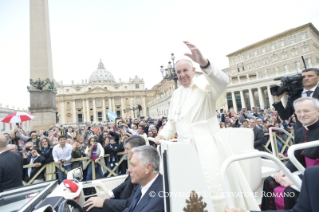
{"x": 71, "y": 132}
{"x": 95, "y": 151}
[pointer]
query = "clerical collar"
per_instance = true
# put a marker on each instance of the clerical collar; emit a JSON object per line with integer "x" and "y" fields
{"x": 312, "y": 126}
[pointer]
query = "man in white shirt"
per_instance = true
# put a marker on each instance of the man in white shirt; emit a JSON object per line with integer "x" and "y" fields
{"x": 144, "y": 170}
{"x": 61, "y": 155}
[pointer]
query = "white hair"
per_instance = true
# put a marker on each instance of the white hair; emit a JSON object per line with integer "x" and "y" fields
{"x": 190, "y": 62}
{"x": 148, "y": 154}
{"x": 314, "y": 101}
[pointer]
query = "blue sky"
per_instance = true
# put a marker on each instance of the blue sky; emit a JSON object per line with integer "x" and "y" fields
{"x": 136, "y": 37}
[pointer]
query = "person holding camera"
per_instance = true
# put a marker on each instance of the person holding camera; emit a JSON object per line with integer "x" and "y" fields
{"x": 87, "y": 133}
{"x": 244, "y": 115}
{"x": 113, "y": 148}
{"x": 310, "y": 79}
{"x": 61, "y": 155}
{"x": 37, "y": 159}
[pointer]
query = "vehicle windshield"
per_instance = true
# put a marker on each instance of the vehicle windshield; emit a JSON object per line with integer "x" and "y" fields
{"x": 15, "y": 199}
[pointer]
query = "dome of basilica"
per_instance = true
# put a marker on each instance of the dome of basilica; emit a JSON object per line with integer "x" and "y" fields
{"x": 101, "y": 74}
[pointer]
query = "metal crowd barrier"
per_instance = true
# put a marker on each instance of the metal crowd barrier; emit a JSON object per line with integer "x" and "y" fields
{"x": 273, "y": 142}
{"x": 50, "y": 168}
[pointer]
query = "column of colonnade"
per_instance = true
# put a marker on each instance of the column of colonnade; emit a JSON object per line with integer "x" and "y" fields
{"x": 86, "y": 108}
{"x": 88, "y": 111}
{"x": 62, "y": 114}
{"x": 242, "y": 99}
{"x": 74, "y": 111}
{"x": 261, "y": 98}
{"x": 143, "y": 99}
{"x": 122, "y": 106}
{"x": 103, "y": 109}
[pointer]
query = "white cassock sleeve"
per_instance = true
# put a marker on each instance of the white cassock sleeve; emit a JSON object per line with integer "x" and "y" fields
{"x": 217, "y": 79}
{"x": 168, "y": 130}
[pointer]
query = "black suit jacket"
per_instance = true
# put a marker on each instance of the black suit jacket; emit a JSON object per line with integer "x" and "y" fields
{"x": 123, "y": 195}
{"x": 259, "y": 139}
{"x": 285, "y": 113}
{"x": 10, "y": 170}
{"x": 308, "y": 198}
{"x": 34, "y": 170}
{"x": 150, "y": 203}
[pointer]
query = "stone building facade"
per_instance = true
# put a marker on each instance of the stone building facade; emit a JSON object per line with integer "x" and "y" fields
{"x": 90, "y": 100}
{"x": 254, "y": 68}
{"x": 159, "y": 104}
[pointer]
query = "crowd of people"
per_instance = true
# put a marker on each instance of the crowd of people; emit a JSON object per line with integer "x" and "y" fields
{"x": 60, "y": 144}
{"x": 260, "y": 120}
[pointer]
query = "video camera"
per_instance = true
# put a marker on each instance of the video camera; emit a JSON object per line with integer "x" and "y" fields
{"x": 291, "y": 84}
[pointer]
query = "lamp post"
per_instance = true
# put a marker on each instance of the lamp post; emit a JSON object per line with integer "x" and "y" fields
{"x": 169, "y": 73}
{"x": 133, "y": 108}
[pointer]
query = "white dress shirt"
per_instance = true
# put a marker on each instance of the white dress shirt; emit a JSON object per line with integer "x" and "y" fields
{"x": 146, "y": 187}
{"x": 304, "y": 94}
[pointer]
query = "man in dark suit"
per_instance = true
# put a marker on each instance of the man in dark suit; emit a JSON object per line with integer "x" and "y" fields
{"x": 258, "y": 135}
{"x": 10, "y": 167}
{"x": 144, "y": 170}
{"x": 309, "y": 82}
{"x": 308, "y": 198}
{"x": 120, "y": 197}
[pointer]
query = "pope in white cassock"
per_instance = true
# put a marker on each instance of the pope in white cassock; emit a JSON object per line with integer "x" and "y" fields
{"x": 192, "y": 115}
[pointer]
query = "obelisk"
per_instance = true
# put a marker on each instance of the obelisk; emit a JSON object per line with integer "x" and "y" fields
{"x": 42, "y": 89}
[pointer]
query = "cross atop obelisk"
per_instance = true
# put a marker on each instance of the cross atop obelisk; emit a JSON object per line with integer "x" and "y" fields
{"x": 42, "y": 89}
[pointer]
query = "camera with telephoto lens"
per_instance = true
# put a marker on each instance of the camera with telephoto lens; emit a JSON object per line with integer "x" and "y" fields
{"x": 27, "y": 149}
{"x": 290, "y": 84}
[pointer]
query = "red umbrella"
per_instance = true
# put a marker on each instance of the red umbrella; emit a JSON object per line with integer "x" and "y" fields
{"x": 18, "y": 117}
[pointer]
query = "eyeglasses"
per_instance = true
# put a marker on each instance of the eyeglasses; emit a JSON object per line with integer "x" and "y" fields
{"x": 303, "y": 111}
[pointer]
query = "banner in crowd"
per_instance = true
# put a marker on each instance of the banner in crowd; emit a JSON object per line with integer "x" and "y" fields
{"x": 111, "y": 115}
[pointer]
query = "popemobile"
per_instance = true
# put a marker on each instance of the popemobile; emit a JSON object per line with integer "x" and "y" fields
{"x": 185, "y": 187}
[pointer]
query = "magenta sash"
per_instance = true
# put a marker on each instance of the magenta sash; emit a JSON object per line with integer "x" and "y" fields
{"x": 279, "y": 193}
{"x": 280, "y": 190}
{"x": 311, "y": 162}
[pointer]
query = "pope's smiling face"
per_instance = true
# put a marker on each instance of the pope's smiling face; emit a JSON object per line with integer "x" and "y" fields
{"x": 185, "y": 72}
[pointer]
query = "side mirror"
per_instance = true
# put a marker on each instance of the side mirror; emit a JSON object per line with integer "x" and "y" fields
{"x": 75, "y": 174}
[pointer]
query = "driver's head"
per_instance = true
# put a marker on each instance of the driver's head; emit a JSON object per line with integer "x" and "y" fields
{"x": 131, "y": 142}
